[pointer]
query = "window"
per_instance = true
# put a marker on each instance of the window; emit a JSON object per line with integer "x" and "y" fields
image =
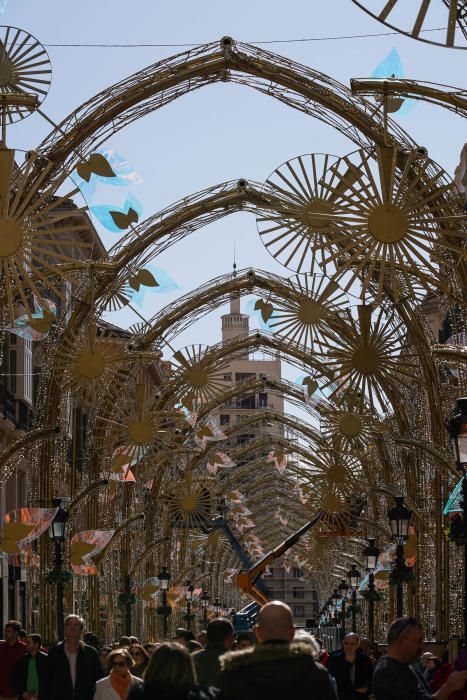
{"x": 298, "y": 610}
{"x": 12, "y": 369}
{"x": 263, "y": 400}
{"x": 246, "y": 402}
{"x": 224, "y": 419}
{"x": 297, "y": 572}
{"x": 244, "y": 376}
{"x": 298, "y": 592}
{"x": 227, "y": 377}
{"x": 27, "y": 369}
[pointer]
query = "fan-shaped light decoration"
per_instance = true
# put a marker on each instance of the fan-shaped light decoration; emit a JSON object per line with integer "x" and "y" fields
{"x": 349, "y": 429}
{"x": 201, "y": 380}
{"x": 405, "y": 227}
{"x": 22, "y": 526}
{"x": 25, "y": 72}
{"x": 305, "y": 319}
{"x": 41, "y": 236}
{"x": 296, "y": 234}
{"x": 335, "y": 484}
{"x": 414, "y": 17}
{"x": 86, "y": 545}
{"x": 88, "y": 364}
{"x": 367, "y": 361}
{"x": 189, "y": 503}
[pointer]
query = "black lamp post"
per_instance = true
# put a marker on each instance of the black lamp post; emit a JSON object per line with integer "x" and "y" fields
{"x": 164, "y": 610}
{"x": 457, "y": 428}
{"x": 371, "y": 554}
{"x": 217, "y": 605}
{"x": 189, "y": 588}
{"x": 343, "y": 589}
{"x": 57, "y": 531}
{"x": 399, "y": 519}
{"x": 354, "y": 579}
{"x": 205, "y": 605}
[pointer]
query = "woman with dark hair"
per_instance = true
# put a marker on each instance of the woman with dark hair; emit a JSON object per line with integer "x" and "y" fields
{"x": 171, "y": 675}
{"x": 120, "y": 679}
{"x": 141, "y": 658}
{"x": 104, "y": 658}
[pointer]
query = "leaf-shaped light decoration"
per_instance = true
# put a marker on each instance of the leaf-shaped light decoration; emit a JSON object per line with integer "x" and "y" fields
{"x": 22, "y": 526}
{"x": 219, "y": 460}
{"x": 86, "y": 545}
{"x": 266, "y": 309}
{"x": 96, "y": 164}
{"x": 279, "y": 459}
{"x": 123, "y": 220}
{"x": 283, "y": 519}
{"x": 151, "y": 587}
{"x": 35, "y": 326}
{"x": 142, "y": 277}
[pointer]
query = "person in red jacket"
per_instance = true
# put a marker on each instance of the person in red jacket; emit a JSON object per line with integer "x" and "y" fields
{"x": 11, "y": 649}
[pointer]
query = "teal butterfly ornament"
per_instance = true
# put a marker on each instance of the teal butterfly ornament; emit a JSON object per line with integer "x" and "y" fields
{"x": 391, "y": 67}
{"x": 3, "y": 4}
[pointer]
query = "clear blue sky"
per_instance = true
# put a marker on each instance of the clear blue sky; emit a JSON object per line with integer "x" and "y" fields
{"x": 224, "y": 131}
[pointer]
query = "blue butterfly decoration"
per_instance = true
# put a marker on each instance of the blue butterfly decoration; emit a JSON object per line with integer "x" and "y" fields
{"x": 453, "y": 504}
{"x": 391, "y": 67}
{"x": 3, "y": 4}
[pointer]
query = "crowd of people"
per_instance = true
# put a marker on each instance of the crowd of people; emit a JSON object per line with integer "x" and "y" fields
{"x": 279, "y": 662}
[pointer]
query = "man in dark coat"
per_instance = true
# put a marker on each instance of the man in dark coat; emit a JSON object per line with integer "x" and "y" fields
{"x": 74, "y": 666}
{"x": 352, "y": 669}
{"x": 220, "y": 639}
{"x": 31, "y": 673}
{"x": 277, "y": 667}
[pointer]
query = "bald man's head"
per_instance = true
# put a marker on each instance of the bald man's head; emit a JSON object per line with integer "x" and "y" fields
{"x": 275, "y": 622}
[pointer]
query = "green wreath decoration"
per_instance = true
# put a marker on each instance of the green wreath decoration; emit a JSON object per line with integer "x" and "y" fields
{"x": 400, "y": 575}
{"x": 54, "y": 577}
{"x": 456, "y": 530}
{"x": 374, "y": 596}
{"x": 125, "y": 599}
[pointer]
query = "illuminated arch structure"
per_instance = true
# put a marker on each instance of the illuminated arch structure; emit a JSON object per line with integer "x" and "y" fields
{"x": 371, "y": 387}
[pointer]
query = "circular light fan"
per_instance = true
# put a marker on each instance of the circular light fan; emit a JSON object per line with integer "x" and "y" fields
{"x": 405, "y": 226}
{"x": 413, "y": 17}
{"x": 189, "y": 504}
{"x": 296, "y": 233}
{"x": 25, "y": 70}
{"x": 201, "y": 381}
{"x": 368, "y": 360}
{"x": 305, "y": 319}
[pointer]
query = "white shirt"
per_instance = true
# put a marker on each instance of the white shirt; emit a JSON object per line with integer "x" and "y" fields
{"x": 104, "y": 690}
{"x": 71, "y": 656}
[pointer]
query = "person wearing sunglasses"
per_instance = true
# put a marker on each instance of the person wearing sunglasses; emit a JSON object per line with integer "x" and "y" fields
{"x": 141, "y": 658}
{"x": 120, "y": 679}
{"x": 395, "y": 677}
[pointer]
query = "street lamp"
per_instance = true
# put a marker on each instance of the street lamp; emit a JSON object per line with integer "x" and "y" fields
{"x": 457, "y": 429}
{"x": 354, "y": 579}
{"x": 189, "y": 588}
{"x": 399, "y": 519}
{"x": 217, "y": 605}
{"x": 371, "y": 554}
{"x": 57, "y": 533}
{"x": 205, "y": 605}
{"x": 164, "y": 610}
{"x": 343, "y": 589}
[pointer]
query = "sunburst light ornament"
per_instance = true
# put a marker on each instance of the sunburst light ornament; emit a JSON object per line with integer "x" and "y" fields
{"x": 201, "y": 380}
{"x": 189, "y": 503}
{"x": 405, "y": 224}
{"x": 367, "y": 361}
{"x": 304, "y": 315}
{"x": 41, "y": 235}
